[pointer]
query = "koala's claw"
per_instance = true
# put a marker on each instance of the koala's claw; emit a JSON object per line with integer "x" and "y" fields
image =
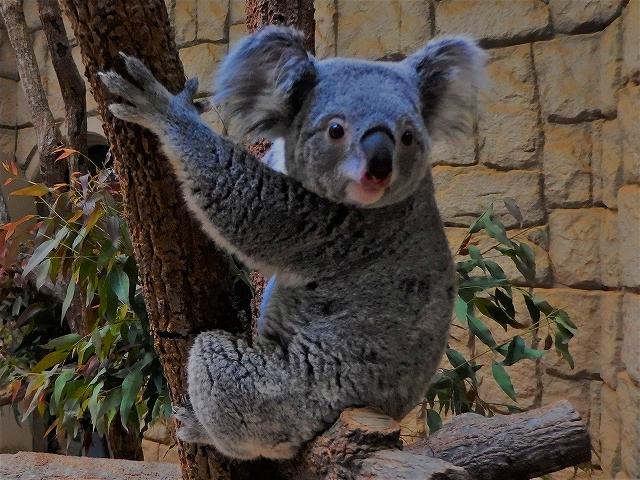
{"x": 151, "y": 104}
{"x": 190, "y": 429}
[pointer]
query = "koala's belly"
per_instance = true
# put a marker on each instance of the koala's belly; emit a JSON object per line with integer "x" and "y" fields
{"x": 378, "y": 348}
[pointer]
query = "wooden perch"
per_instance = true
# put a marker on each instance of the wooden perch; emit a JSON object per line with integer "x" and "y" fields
{"x": 364, "y": 444}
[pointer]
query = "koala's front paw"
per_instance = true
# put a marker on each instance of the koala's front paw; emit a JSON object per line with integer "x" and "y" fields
{"x": 190, "y": 429}
{"x": 152, "y": 105}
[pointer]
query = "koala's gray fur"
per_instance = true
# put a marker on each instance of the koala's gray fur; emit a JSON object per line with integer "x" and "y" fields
{"x": 357, "y": 311}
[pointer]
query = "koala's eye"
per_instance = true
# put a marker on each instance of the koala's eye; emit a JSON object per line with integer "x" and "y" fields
{"x": 407, "y": 138}
{"x": 336, "y": 130}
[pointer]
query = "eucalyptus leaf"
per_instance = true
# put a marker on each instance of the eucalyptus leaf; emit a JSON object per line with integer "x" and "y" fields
{"x": 503, "y": 380}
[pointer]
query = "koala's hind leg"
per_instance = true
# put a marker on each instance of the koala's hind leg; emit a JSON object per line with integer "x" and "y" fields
{"x": 250, "y": 403}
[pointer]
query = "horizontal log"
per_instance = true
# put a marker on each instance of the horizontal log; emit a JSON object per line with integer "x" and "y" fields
{"x": 523, "y": 445}
{"x": 364, "y": 444}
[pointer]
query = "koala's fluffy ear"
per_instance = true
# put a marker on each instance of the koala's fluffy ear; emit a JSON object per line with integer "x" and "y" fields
{"x": 262, "y": 83}
{"x": 450, "y": 73}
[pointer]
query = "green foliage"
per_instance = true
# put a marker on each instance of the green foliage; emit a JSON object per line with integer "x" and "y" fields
{"x": 111, "y": 371}
{"x": 484, "y": 304}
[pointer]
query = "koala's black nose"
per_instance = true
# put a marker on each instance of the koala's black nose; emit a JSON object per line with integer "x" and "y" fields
{"x": 378, "y": 147}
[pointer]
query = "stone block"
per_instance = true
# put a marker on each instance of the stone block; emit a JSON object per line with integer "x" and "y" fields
{"x": 168, "y": 454}
{"x": 611, "y": 335}
{"x": 379, "y": 28}
{"x": 578, "y": 76}
{"x": 631, "y": 337}
{"x": 585, "y": 309}
{"x": 462, "y": 152}
{"x": 595, "y": 413}
{"x": 555, "y": 389}
{"x": 630, "y": 41}
{"x": 150, "y": 450}
{"x": 185, "y": 18}
{"x": 606, "y": 163}
{"x": 237, "y": 32}
{"x": 159, "y": 432}
{"x": 629, "y": 235}
{"x": 8, "y": 67}
{"x": 325, "y": 15}
{"x": 495, "y": 22}
{"x": 202, "y": 61}
{"x": 610, "y": 432}
{"x": 581, "y": 16}
{"x": 463, "y": 193}
{"x": 508, "y": 123}
{"x": 212, "y": 19}
{"x": 8, "y": 102}
{"x": 26, "y": 147}
{"x": 628, "y": 101}
{"x": 608, "y": 247}
{"x": 237, "y": 9}
{"x": 581, "y": 247}
{"x": 567, "y": 164}
{"x": 629, "y": 405}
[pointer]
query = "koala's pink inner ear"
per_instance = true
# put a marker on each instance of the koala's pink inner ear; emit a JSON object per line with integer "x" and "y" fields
{"x": 262, "y": 83}
{"x": 450, "y": 72}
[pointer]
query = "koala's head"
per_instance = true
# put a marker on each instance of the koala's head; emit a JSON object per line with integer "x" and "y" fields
{"x": 354, "y": 131}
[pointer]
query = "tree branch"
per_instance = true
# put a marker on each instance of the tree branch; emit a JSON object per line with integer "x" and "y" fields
{"x": 71, "y": 83}
{"x": 47, "y": 131}
{"x": 364, "y": 444}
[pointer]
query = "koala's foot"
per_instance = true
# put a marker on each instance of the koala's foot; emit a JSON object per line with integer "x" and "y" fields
{"x": 190, "y": 429}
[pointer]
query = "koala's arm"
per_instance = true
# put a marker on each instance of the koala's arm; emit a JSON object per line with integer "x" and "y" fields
{"x": 270, "y": 220}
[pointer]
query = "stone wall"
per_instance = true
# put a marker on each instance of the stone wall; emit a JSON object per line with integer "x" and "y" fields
{"x": 558, "y": 132}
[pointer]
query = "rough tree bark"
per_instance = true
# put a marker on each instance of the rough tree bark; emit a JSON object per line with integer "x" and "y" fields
{"x": 69, "y": 78}
{"x": 186, "y": 281}
{"x": 47, "y": 132}
{"x": 364, "y": 444}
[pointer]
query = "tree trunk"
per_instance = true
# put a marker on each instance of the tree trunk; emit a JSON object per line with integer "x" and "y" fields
{"x": 186, "y": 281}
{"x": 47, "y": 132}
{"x": 69, "y": 79}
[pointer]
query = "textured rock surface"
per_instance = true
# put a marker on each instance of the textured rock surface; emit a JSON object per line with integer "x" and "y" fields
{"x": 629, "y": 404}
{"x": 201, "y": 61}
{"x": 378, "y": 28}
{"x": 578, "y": 243}
{"x": 629, "y": 234}
{"x": 464, "y": 193}
{"x": 631, "y": 337}
{"x": 606, "y": 162}
{"x": 567, "y": 165}
{"x": 494, "y": 21}
{"x": 8, "y": 105}
{"x": 579, "y": 16}
{"x": 36, "y": 466}
{"x": 628, "y": 101}
{"x": 508, "y": 123}
{"x": 212, "y": 19}
{"x": 576, "y": 78}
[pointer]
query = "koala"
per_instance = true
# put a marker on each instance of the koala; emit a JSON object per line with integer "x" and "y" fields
{"x": 341, "y": 215}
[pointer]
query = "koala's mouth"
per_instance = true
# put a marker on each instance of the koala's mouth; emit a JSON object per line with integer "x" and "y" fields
{"x": 366, "y": 192}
